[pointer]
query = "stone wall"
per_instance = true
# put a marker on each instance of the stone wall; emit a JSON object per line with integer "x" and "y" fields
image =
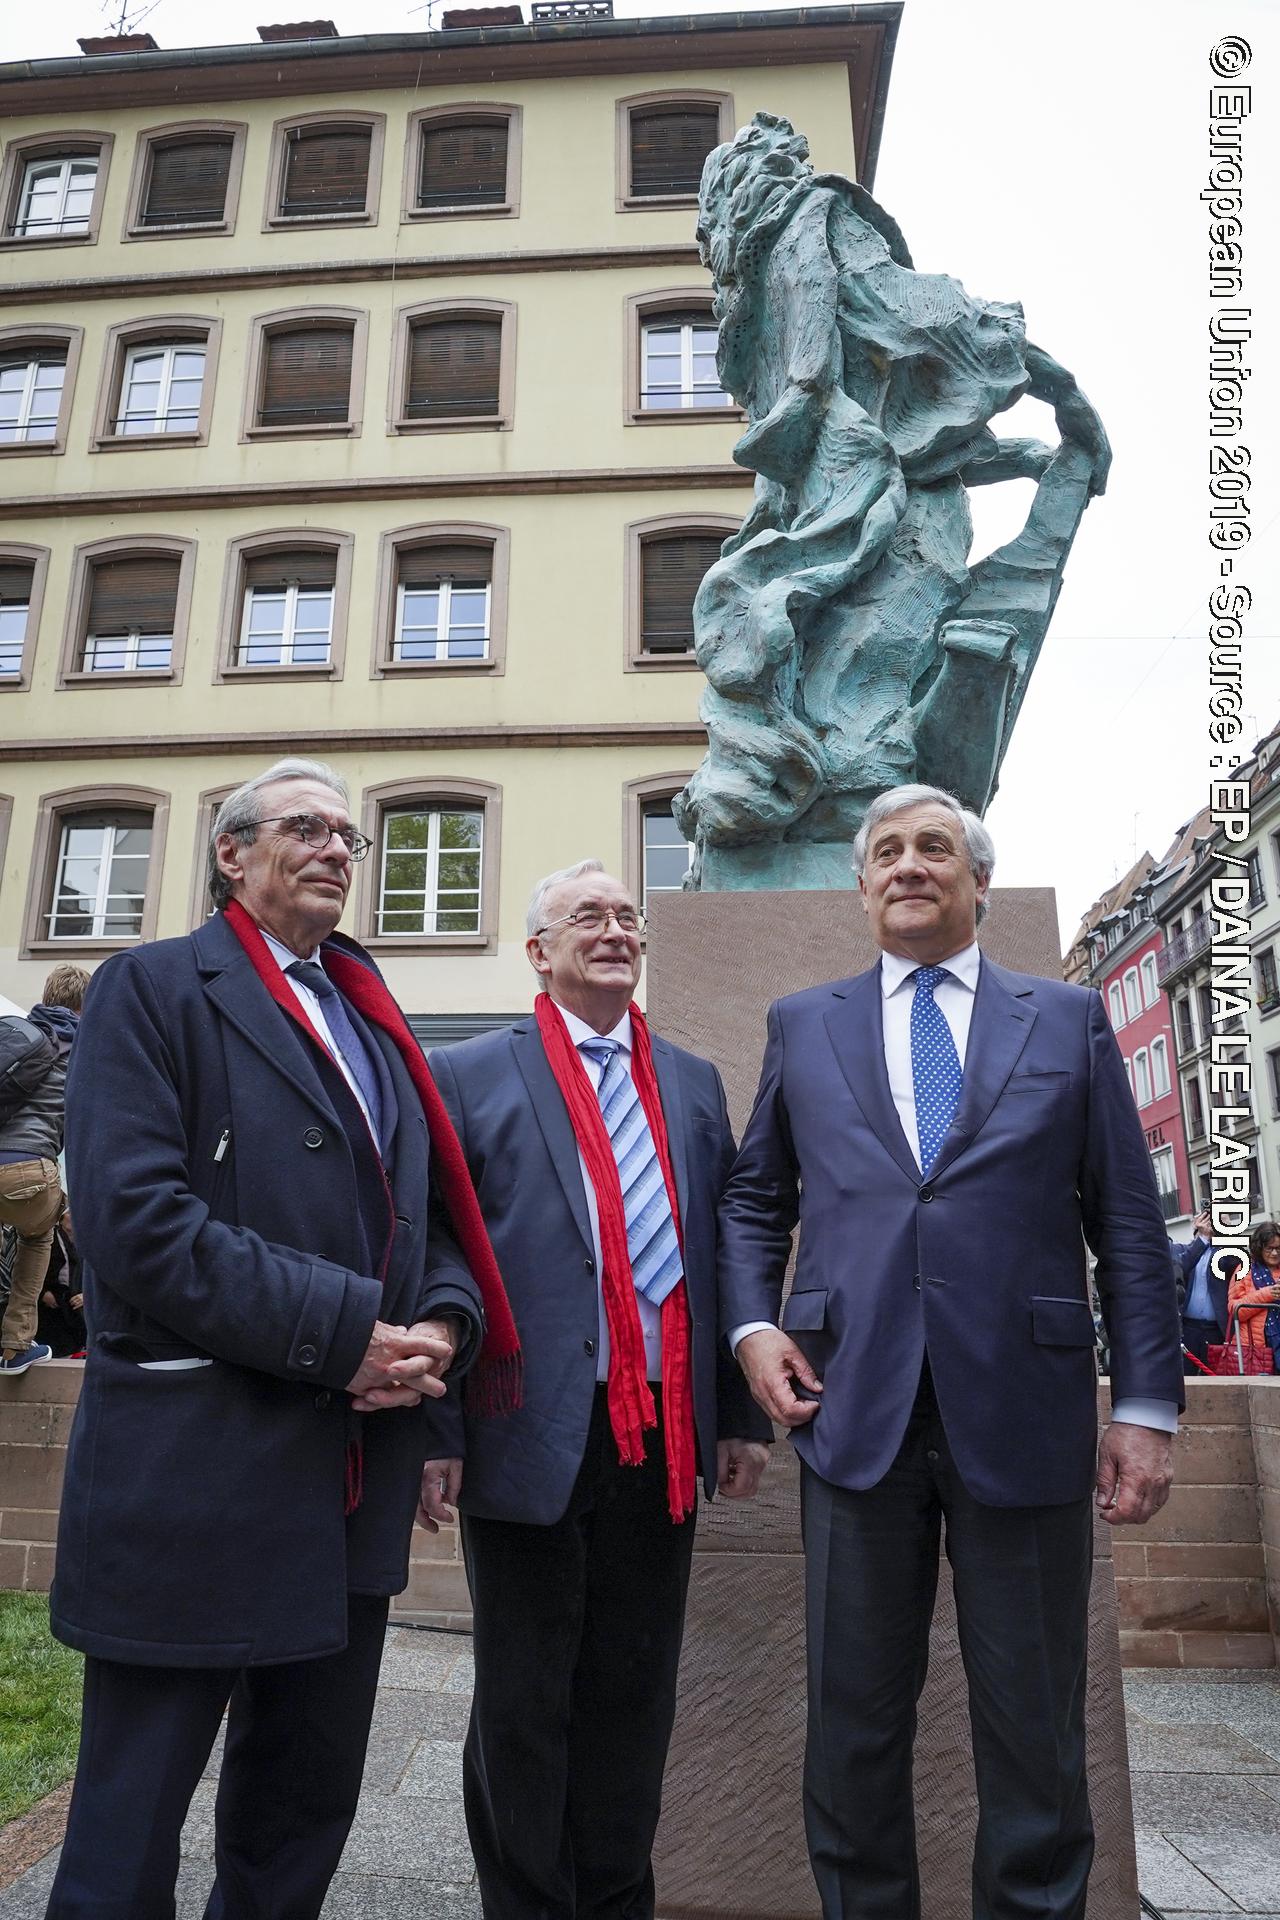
{"x": 1198, "y": 1587}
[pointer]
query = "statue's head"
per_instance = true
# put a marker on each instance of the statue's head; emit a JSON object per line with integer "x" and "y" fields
{"x": 743, "y": 181}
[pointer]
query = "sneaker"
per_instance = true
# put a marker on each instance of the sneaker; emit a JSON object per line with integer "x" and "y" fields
{"x": 28, "y": 1357}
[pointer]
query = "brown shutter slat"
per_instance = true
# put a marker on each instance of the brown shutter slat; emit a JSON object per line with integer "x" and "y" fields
{"x": 15, "y": 582}
{"x": 463, "y": 161}
{"x": 299, "y": 566}
{"x": 326, "y": 170}
{"x": 306, "y": 376}
{"x": 668, "y": 147}
{"x": 427, "y": 566}
{"x": 188, "y": 181}
{"x": 136, "y": 593}
{"x": 681, "y": 317}
{"x": 453, "y": 368}
{"x": 46, "y": 351}
{"x": 672, "y": 570}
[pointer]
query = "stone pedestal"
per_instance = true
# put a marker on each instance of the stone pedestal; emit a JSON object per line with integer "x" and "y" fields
{"x": 731, "y": 1843}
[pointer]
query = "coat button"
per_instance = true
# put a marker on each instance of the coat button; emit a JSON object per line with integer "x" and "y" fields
{"x": 926, "y": 1193}
{"x": 590, "y": 1265}
{"x": 588, "y": 1347}
{"x": 313, "y": 1137}
{"x": 307, "y": 1356}
{"x": 323, "y": 1398}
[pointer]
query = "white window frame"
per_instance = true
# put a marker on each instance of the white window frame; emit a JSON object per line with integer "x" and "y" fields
{"x": 1115, "y": 1002}
{"x": 444, "y": 633}
{"x": 1142, "y": 1077}
{"x": 1132, "y": 998}
{"x": 1163, "y": 1161}
{"x": 22, "y": 435}
{"x": 159, "y": 422}
{"x": 289, "y": 633}
{"x": 652, "y": 812}
{"x": 1161, "y": 1083}
{"x": 689, "y": 393}
{"x": 1128, "y": 1071}
{"x": 135, "y": 644}
{"x": 14, "y": 672}
{"x": 59, "y": 225}
{"x": 1150, "y": 985}
{"x": 431, "y": 872}
{"x": 103, "y": 894}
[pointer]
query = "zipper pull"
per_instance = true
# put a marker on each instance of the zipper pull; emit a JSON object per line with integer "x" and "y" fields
{"x": 222, "y": 1145}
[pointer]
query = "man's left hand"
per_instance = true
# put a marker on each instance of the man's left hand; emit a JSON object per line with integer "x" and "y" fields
{"x": 739, "y": 1465}
{"x": 398, "y": 1389}
{"x": 1135, "y": 1472}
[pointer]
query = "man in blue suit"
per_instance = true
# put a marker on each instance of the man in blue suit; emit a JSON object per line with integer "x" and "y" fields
{"x": 598, "y": 1154}
{"x": 949, "y": 1134}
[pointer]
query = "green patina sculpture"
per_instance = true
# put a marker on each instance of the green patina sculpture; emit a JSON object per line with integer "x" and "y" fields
{"x": 848, "y": 644}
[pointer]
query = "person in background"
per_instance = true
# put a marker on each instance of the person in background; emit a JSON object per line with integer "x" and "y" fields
{"x": 62, "y": 1298}
{"x": 38, "y": 1049}
{"x": 1256, "y": 1289}
{"x": 1204, "y": 1306}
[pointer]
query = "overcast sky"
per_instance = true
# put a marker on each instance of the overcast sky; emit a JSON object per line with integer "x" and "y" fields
{"x": 1051, "y": 153}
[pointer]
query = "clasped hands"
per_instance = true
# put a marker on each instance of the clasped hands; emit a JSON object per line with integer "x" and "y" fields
{"x": 403, "y": 1366}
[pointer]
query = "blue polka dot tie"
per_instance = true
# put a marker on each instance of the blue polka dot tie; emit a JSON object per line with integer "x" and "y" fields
{"x": 935, "y": 1066}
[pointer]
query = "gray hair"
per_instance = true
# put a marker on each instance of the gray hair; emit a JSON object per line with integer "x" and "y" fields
{"x": 538, "y": 898}
{"x": 979, "y": 845}
{"x": 241, "y": 812}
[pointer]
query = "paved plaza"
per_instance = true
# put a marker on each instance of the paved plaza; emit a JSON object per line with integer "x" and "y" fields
{"x": 1204, "y": 1748}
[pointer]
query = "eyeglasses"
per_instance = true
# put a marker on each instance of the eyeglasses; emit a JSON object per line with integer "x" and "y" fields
{"x": 317, "y": 833}
{"x": 596, "y": 919}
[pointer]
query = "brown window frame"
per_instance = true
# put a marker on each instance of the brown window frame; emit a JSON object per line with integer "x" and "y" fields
{"x": 72, "y": 143}
{"x": 287, "y": 320}
{"x": 462, "y": 111}
{"x": 207, "y": 803}
{"x": 37, "y": 558}
{"x": 173, "y": 134}
{"x": 636, "y": 795}
{"x": 72, "y": 338}
{"x": 398, "y": 419}
{"x": 430, "y": 791}
{"x": 640, "y": 309}
{"x": 276, "y": 539}
{"x": 172, "y": 329}
{"x": 441, "y": 533}
{"x": 53, "y": 810}
{"x": 83, "y": 561}
{"x": 274, "y": 220}
{"x": 627, "y": 201}
{"x": 639, "y": 534}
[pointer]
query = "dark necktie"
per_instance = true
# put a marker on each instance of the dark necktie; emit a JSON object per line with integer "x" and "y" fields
{"x": 345, "y": 1038}
{"x": 651, "y": 1232}
{"x": 935, "y": 1066}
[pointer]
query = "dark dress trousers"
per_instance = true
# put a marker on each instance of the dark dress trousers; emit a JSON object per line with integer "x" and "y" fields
{"x": 578, "y": 1574}
{"x": 231, "y": 1207}
{"x": 948, "y": 1316}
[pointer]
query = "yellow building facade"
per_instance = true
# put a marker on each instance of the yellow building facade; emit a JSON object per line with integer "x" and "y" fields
{"x": 356, "y": 401}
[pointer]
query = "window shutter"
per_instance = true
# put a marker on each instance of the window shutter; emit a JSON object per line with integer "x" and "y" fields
{"x": 326, "y": 170}
{"x": 138, "y": 593}
{"x": 463, "y": 161}
{"x": 453, "y": 368}
{"x": 188, "y": 181}
{"x": 668, "y": 147}
{"x": 427, "y": 566}
{"x": 306, "y": 376}
{"x": 672, "y": 570}
{"x": 48, "y": 352}
{"x": 15, "y": 583}
{"x": 291, "y": 566}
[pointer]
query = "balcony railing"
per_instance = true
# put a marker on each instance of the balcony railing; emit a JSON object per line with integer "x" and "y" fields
{"x": 1182, "y": 949}
{"x": 1171, "y": 1208}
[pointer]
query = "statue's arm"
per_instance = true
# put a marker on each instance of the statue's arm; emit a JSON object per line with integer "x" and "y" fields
{"x": 998, "y": 459}
{"x": 1076, "y": 419}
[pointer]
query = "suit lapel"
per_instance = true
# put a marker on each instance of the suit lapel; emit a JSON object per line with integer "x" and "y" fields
{"x": 553, "y": 1117}
{"x": 245, "y": 1004}
{"x": 667, "y": 1069}
{"x": 1003, "y": 1016}
{"x": 855, "y": 1027}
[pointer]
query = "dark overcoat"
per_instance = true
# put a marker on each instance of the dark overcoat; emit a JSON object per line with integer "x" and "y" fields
{"x": 516, "y": 1133}
{"x": 222, "y": 1179}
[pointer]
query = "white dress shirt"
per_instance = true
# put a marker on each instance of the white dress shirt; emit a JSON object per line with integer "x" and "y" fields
{"x": 954, "y": 997}
{"x": 650, "y": 1316}
{"x": 313, "y": 1006}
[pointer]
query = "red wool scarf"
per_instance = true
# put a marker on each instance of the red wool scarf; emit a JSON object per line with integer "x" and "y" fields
{"x": 631, "y": 1408}
{"x": 495, "y": 1383}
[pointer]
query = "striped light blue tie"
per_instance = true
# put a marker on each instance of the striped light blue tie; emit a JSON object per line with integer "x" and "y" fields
{"x": 935, "y": 1066}
{"x": 651, "y": 1232}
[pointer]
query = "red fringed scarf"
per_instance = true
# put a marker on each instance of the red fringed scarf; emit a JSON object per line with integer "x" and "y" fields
{"x": 495, "y": 1383}
{"x": 631, "y": 1408}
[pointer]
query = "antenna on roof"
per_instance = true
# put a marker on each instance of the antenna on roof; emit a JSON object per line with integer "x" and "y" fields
{"x": 123, "y": 18}
{"x": 429, "y": 9}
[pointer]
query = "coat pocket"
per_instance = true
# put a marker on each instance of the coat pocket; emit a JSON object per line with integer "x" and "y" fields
{"x": 806, "y": 1311}
{"x": 1061, "y": 1323}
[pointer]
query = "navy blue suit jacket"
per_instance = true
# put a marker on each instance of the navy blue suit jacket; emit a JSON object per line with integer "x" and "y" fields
{"x": 515, "y": 1130}
{"x": 218, "y": 1170}
{"x": 982, "y": 1264}
{"x": 1188, "y": 1254}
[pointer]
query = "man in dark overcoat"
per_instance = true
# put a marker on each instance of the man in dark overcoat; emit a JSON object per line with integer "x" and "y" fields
{"x": 273, "y": 1295}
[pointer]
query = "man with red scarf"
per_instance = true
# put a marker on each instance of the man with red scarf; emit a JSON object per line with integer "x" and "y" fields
{"x": 274, "y": 1293}
{"x": 598, "y": 1153}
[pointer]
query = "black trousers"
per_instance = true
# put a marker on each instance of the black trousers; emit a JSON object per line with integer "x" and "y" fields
{"x": 577, "y": 1642}
{"x": 296, "y": 1739}
{"x": 1197, "y": 1337}
{"x": 1021, "y": 1577}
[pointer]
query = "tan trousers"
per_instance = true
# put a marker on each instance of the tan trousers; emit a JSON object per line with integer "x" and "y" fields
{"x": 30, "y": 1200}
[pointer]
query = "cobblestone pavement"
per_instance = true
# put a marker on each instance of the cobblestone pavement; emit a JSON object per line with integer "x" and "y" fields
{"x": 1204, "y": 1749}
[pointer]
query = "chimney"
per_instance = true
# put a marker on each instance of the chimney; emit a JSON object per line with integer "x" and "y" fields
{"x": 482, "y": 17}
{"x": 119, "y": 43}
{"x": 299, "y": 30}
